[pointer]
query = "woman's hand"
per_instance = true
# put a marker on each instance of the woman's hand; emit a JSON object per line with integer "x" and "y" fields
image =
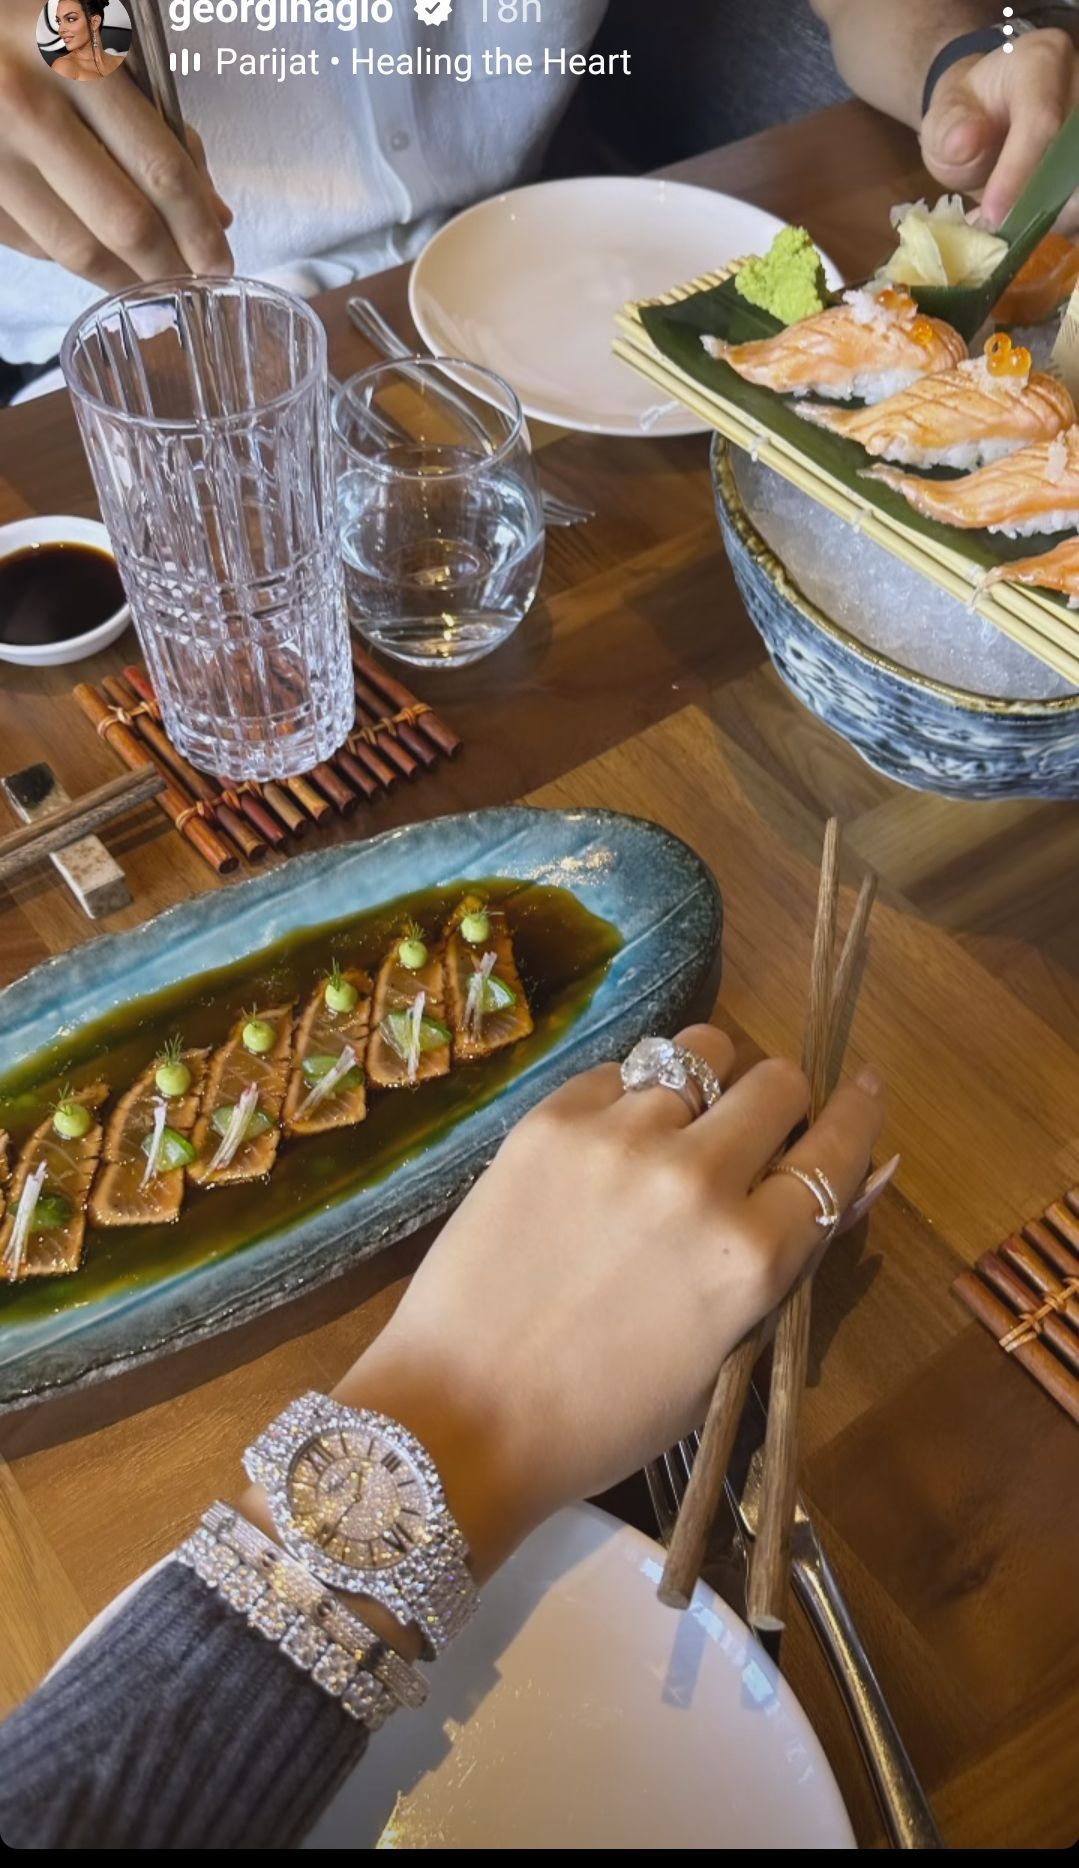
{"x": 91, "y": 177}
{"x": 570, "y": 1321}
{"x": 992, "y": 118}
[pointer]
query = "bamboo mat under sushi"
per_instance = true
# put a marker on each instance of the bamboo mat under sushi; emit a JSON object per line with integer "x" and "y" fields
{"x": 1036, "y": 622}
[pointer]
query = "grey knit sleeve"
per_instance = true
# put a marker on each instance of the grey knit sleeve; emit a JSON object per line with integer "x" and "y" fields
{"x": 177, "y": 1728}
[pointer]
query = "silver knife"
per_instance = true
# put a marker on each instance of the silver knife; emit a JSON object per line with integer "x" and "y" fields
{"x": 903, "y": 1802}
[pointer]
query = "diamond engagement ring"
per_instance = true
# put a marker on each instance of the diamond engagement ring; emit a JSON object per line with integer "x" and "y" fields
{"x": 823, "y": 1193}
{"x": 659, "y": 1063}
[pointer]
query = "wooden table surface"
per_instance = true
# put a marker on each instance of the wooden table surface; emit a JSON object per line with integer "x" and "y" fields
{"x": 943, "y": 1479}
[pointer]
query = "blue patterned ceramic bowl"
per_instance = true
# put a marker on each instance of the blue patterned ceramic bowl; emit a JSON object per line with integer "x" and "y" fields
{"x": 913, "y": 729}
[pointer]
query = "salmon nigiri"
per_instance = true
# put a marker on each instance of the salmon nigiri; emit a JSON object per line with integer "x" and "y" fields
{"x": 871, "y": 345}
{"x": 1036, "y": 490}
{"x": 1054, "y": 570}
{"x": 980, "y": 412}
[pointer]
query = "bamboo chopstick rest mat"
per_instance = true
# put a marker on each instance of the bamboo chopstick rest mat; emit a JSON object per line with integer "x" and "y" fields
{"x": 1026, "y": 1294}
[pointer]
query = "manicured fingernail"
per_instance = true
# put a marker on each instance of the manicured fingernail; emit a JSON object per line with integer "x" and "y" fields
{"x": 869, "y": 1081}
{"x": 871, "y": 1191}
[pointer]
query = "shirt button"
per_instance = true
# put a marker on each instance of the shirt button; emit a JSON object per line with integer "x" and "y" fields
{"x": 399, "y": 140}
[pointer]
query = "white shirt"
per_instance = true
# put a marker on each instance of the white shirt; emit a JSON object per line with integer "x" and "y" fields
{"x": 334, "y": 176}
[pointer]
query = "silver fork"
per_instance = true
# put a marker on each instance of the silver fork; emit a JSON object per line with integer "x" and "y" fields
{"x": 903, "y": 1803}
{"x": 371, "y": 324}
{"x": 667, "y": 1479}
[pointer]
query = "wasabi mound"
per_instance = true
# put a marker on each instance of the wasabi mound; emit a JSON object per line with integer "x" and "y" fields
{"x": 789, "y": 281}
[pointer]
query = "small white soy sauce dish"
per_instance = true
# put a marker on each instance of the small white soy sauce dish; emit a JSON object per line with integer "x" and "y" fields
{"x": 60, "y": 592}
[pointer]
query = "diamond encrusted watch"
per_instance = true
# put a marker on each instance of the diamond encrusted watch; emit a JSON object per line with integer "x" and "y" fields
{"x": 357, "y": 1500}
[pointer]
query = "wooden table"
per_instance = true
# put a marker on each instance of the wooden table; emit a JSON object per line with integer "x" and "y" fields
{"x": 943, "y": 1479}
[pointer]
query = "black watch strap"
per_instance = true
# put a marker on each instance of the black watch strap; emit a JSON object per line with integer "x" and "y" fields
{"x": 985, "y": 39}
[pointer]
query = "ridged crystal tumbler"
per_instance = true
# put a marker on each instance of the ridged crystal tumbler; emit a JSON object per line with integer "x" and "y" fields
{"x": 204, "y": 410}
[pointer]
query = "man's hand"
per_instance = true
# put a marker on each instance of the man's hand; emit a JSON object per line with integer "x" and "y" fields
{"x": 91, "y": 177}
{"x": 992, "y": 118}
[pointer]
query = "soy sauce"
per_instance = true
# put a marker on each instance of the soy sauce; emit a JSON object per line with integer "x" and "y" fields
{"x": 50, "y": 593}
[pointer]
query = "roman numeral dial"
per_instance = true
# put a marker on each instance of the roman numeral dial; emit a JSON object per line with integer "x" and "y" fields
{"x": 358, "y": 1498}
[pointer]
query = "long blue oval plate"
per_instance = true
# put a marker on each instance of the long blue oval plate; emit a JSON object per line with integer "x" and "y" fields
{"x": 660, "y": 911}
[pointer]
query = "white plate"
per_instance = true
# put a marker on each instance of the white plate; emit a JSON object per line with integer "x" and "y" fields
{"x": 23, "y": 535}
{"x": 576, "y": 1712}
{"x": 530, "y": 283}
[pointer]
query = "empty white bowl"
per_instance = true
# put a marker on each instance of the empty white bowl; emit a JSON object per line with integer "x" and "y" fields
{"x": 25, "y": 533}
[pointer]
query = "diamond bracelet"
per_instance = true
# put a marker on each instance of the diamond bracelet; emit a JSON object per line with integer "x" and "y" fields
{"x": 287, "y": 1606}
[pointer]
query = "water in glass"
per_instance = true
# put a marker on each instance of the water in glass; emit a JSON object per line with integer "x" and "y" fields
{"x": 439, "y": 512}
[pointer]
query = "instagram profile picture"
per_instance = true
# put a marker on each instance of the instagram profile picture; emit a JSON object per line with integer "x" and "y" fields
{"x": 83, "y": 40}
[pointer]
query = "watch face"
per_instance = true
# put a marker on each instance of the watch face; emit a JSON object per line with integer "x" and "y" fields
{"x": 356, "y": 1497}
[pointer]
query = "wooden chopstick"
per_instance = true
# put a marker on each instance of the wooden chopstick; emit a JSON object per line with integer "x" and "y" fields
{"x": 76, "y": 820}
{"x": 828, "y": 1027}
{"x": 769, "y": 1568}
{"x": 848, "y": 980}
{"x": 697, "y": 1513}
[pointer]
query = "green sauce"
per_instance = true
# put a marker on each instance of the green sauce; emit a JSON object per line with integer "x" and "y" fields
{"x": 563, "y": 952}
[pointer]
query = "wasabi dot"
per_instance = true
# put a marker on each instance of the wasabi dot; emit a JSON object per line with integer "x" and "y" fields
{"x": 412, "y": 953}
{"x": 340, "y": 994}
{"x": 71, "y": 1120}
{"x": 476, "y": 927}
{"x": 259, "y": 1037}
{"x": 173, "y": 1079}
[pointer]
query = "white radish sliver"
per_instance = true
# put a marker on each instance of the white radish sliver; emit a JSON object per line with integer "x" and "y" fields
{"x": 474, "y": 1001}
{"x": 237, "y": 1129}
{"x": 20, "y": 1230}
{"x": 415, "y": 1035}
{"x": 327, "y": 1084}
{"x": 153, "y": 1154}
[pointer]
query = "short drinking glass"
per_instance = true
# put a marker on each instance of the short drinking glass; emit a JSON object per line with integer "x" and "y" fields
{"x": 439, "y": 509}
{"x": 204, "y": 409}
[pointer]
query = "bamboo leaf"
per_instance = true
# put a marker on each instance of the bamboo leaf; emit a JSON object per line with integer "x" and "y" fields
{"x": 718, "y": 312}
{"x": 1035, "y": 213}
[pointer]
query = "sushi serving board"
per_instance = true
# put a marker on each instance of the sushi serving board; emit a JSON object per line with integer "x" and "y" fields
{"x": 661, "y": 910}
{"x": 661, "y": 339}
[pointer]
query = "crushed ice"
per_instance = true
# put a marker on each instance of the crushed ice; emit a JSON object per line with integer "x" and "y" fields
{"x": 885, "y": 603}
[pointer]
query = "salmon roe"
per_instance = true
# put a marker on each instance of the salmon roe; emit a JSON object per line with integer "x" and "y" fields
{"x": 922, "y": 332}
{"x": 893, "y": 299}
{"x": 1004, "y": 359}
